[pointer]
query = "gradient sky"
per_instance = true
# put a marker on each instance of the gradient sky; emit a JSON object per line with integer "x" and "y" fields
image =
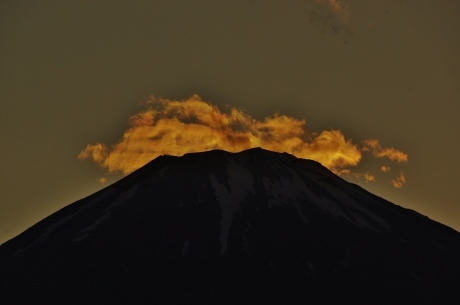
{"x": 73, "y": 72}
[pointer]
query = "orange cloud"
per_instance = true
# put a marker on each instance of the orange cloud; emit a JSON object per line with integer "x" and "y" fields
{"x": 385, "y": 169}
{"x": 368, "y": 177}
{"x": 177, "y": 127}
{"x": 192, "y": 125}
{"x": 399, "y": 181}
{"x": 102, "y": 180}
{"x": 98, "y": 152}
{"x": 393, "y": 154}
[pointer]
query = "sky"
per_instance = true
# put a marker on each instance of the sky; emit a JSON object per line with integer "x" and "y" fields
{"x": 371, "y": 89}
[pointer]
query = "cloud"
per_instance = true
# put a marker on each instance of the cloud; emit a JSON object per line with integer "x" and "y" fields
{"x": 393, "y": 154}
{"x": 192, "y": 125}
{"x": 367, "y": 176}
{"x": 177, "y": 127}
{"x": 333, "y": 15}
{"x": 399, "y": 181}
{"x": 385, "y": 169}
{"x": 98, "y": 152}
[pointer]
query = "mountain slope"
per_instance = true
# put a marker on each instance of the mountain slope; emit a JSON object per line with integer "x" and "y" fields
{"x": 233, "y": 228}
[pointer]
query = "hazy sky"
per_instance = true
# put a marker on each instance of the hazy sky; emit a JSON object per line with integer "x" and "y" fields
{"x": 73, "y": 72}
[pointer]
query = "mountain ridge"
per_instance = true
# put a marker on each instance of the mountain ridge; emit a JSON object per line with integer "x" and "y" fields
{"x": 269, "y": 225}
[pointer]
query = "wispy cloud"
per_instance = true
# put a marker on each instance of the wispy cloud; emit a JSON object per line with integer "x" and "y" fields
{"x": 378, "y": 151}
{"x": 367, "y": 176}
{"x": 399, "y": 181}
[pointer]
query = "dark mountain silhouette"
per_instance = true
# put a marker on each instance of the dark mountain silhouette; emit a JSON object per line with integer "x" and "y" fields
{"x": 255, "y": 227}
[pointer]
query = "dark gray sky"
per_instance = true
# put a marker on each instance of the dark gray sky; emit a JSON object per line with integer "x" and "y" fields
{"x": 73, "y": 72}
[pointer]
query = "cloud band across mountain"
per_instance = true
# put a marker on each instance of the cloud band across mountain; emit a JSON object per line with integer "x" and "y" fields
{"x": 177, "y": 127}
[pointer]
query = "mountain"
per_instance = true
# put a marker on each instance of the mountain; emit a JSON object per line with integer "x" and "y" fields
{"x": 216, "y": 227}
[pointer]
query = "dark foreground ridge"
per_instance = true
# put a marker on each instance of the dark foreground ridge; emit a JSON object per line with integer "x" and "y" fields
{"x": 255, "y": 227}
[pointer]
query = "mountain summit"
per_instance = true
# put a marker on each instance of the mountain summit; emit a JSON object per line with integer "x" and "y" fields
{"x": 216, "y": 227}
